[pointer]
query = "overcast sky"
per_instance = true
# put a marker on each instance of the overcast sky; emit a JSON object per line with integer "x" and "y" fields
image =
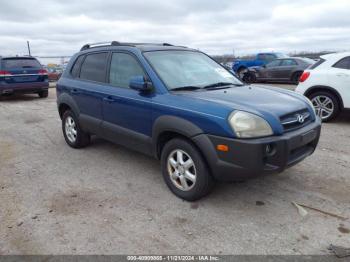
{"x": 214, "y": 26}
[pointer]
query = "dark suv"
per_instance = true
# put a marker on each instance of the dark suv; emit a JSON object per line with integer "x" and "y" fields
{"x": 23, "y": 75}
{"x": 180, "y": 106}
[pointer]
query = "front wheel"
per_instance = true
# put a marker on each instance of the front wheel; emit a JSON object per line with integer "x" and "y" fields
{"x": 185, "y": 171}
{"x": 326, "y": 105}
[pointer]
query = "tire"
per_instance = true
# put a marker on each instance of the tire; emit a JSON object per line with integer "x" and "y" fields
{"x": 249, "y": 77}
{"x": 73, "y": 134}
{"x": 43, "y": 94}
{"x": 295, "y": 77}
{"x": 326, "y": 105}
{"x": 241, "y": 72}
{"x": 200, "y": 184}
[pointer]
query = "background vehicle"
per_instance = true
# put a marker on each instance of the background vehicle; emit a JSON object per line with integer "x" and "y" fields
{"x": 327, "y": 85}
{"x": 280, "y": 70}
{"x": 54, "y": 73}
{"x": 180, "y": 106}
{"x": 241, "y": 66}
{"x": 22, "y": 75}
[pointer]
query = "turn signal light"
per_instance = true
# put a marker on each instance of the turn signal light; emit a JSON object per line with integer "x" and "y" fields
{"x": 223, "y": 148}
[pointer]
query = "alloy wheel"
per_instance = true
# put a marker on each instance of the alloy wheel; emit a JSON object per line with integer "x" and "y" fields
{"x": 71, "y": 129}
{"x": 182, "y": 170}
{"x": 324, "y": 106}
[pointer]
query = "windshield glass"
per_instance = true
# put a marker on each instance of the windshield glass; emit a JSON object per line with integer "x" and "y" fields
{"x": 186, "y": 68}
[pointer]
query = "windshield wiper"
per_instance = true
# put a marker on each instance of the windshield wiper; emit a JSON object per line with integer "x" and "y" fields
{"x": 220, "y": 84}
{"x": 186, "y": 88}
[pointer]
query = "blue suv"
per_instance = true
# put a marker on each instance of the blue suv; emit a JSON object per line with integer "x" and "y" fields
{"x": 180, "y": 106}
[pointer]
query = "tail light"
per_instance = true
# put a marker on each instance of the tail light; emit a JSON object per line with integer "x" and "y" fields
{"x": 42, "y": 72}
{"x": 304, "y": 76}
{"x": 4, "y": 73}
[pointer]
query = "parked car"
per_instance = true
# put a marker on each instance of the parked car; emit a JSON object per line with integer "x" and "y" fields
{"x": 54, "y": 73}
{"x": 180, "y": 106}
{"x": 22, "y": 75}
{"x": 286, "y": 70}
{"x": 327, "y": 85}
{"x": 241, "y": 66}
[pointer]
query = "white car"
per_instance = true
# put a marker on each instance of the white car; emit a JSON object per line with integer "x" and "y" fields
{"x": 327, "y": 85}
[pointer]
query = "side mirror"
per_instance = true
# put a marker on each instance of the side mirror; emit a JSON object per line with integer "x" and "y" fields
{"x": 140, "y": 84}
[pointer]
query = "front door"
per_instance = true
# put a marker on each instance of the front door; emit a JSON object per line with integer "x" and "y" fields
{"x": 126, "y": 112}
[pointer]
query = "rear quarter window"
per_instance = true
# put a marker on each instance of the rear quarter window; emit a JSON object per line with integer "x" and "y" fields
{"x": 13, "y": 63}
{"x": 76, "y": 67}
{"x": 343, "y": 63}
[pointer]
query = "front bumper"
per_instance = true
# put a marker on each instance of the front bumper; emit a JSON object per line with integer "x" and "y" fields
{"x": 248, "y": 158}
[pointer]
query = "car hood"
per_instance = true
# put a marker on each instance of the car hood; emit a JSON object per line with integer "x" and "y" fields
{"x": 260, "y": 100}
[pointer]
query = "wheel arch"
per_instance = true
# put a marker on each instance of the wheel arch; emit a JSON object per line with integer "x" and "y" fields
{"x": 166, "y": 128}
{"x": 318, "y": 88}
{"x": 66, "y": 102}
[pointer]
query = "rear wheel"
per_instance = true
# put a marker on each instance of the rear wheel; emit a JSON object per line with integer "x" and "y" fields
{"x": 73, "y": 134}
{"x": 185, "y": 171}
{"x": 326, "y": 105}
{"x": 44, "y": 93}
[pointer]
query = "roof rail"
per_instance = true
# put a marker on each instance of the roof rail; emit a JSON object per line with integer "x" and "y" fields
{"x": 116, "y": 43}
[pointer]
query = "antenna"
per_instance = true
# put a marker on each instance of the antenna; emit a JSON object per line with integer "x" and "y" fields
{"x": 28, "y": 48}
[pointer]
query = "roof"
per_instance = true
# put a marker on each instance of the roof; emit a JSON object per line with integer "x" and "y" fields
{"x": 140, "y": 46}
{"x": 20, "y": 57}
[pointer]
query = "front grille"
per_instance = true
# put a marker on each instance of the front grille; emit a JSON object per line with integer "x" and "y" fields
{"x": 295, "y": 120}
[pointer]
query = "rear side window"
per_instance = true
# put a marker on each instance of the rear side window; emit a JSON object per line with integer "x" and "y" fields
{"x": 319, "y": 62}
{"x": 343, "y": 63}
{"x": 288, "y": 62}
{"x": 123, "y": 68}
{"x": 76, "y": 68}
{"x": 274, "y": 63}
{"x": 15, "y": 63}
{"x": 94, "y": 67}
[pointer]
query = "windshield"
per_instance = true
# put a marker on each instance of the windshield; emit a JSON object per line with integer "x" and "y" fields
{"x": 186, "y": 68}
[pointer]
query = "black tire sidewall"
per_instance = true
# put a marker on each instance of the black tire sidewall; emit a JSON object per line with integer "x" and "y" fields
{"x": 44, "y": 93}
{"x": 334, "y": 100}
{"x": 204, "y": 181}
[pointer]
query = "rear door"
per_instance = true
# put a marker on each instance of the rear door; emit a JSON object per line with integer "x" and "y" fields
{"x": 20, "y": 70}
{"x": 340, "y": 79}
{"x": 271, "y": 69}
{"x": 87, "y": 89}
{"x": 284, "y": 71}
{"x": 127, "y": 112}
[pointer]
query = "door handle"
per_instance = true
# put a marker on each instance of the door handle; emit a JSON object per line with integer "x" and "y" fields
{"x": 74, "y": 91}
{"x": 109, "y": 99}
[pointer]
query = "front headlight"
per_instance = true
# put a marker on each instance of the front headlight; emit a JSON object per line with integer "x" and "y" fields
{"x": 247, "y": 125}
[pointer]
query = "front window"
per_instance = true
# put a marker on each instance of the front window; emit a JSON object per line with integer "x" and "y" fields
{"x": 186, "y": 68}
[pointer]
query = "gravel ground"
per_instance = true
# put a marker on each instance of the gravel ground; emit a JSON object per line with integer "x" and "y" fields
{"x": 105, "y": 199}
